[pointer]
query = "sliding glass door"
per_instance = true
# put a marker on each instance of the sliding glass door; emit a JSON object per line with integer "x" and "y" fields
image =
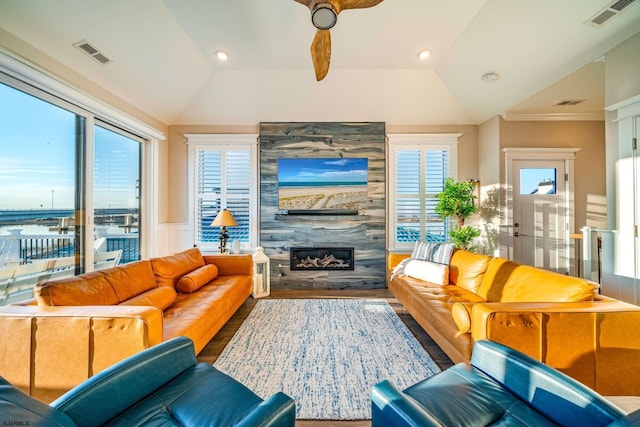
{"x": 116, "y": 196}
{"x": 60, "y": 166}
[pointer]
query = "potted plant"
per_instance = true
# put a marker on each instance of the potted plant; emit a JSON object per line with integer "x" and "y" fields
{"x": 457, "y": 200}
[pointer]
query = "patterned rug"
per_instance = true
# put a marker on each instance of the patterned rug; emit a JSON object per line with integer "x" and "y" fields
{"x": 325, "y": 353}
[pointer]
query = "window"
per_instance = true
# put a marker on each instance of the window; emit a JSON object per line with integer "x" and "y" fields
{"x": 537, "y": 181}
{"x": 223, "y": 172}
{"x": 69, "y": 164}
{"x": 418, "y": 167}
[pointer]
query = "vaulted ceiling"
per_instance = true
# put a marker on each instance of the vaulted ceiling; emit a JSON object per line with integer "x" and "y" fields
{"x": 163, "y": 61}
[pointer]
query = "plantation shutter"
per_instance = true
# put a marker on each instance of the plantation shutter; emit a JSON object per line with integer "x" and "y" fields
{"x": 436, "y": 171}
{"x": 418, "y": 174}
{"x": 223, "y": 181}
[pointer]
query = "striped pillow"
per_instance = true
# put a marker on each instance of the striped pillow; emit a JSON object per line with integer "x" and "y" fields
{"x": 434, "y": 252}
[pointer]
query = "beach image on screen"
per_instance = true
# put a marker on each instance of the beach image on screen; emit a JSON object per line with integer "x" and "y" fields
{"x": 322, "y": 183}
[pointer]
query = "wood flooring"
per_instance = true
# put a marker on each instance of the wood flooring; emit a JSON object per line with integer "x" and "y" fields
{"x": 213, "y": 349}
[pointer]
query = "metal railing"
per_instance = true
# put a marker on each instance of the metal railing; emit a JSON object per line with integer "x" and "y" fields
{"x": 22, "y": 249}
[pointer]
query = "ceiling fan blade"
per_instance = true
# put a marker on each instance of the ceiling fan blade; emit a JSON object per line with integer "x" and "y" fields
{"x": 308, "y": 3}
{"x": 357, "y": 4}
{"x": 321, "y": 53}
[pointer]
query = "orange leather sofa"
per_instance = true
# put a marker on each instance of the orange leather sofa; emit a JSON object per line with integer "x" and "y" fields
{"x": 559, "y": 320}
{"x": 78, "y": 326}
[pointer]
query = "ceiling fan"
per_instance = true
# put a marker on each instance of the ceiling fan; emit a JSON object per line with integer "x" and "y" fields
{"x": 324, "y": 15}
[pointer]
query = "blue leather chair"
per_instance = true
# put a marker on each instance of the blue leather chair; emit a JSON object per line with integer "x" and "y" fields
{"x": 162, "y": 385}
{"x": 500, "y": 386}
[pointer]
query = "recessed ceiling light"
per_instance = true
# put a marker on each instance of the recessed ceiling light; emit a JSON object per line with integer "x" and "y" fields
{"x": 490, "y": 77}
{"x": 424, "y": 54}
{"x": 222, "y": 55}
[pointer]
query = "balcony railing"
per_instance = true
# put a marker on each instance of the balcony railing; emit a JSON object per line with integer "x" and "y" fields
{"x": 23, "y": 249}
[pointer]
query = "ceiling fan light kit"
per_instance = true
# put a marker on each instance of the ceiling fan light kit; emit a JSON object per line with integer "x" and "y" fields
{"x": 324, "y": 15}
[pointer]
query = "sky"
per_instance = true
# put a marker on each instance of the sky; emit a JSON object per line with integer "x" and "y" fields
{"x": 531, "y": 177}
{"x": 37, "y": 157}
{"x": 340, "y": 170}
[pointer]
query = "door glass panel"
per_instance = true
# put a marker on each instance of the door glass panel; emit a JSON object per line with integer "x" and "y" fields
{"x": 39, "y": 239}
{"x": 116, "y": 198}
{"x": 537, "y": 181}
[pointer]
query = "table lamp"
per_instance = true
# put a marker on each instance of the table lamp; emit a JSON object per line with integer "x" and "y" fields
{"x": 223, "y": 220}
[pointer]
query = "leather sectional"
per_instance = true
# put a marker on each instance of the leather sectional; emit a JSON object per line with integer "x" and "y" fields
{"x": 78, "y": 326}
{"x": 560, "y": 320}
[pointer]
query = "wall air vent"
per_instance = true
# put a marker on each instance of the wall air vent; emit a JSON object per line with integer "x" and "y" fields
{"x": 569, "y": 102}
{"x": 608, "y": 12}
{"x": 85, "y": 47}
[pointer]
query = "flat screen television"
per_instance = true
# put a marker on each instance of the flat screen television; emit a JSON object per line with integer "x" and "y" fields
{"x": 331, "y": 185}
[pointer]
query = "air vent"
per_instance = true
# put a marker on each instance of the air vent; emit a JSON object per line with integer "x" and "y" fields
{"x": 92, "y": 51}
{"x": 570, "y": 102}
{"x": 608, "y": 12}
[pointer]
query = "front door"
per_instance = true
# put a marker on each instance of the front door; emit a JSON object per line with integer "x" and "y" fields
{"x": 540, "y": 214}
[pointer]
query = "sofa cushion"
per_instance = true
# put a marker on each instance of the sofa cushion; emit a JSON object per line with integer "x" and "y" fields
{"x": 199, "y": 277}
{"x": 168, "y": 270}
{"x": 467, "y": 269}
{"x": 88, "y": 289}
{"x": 110, "y": 286}
{"x": 130, "y": 280}
{"x": 427, "y": 271}
{"x": 161, "y": 297}
{"x": 507, "y": 281}
{"x": 434, "y": 252}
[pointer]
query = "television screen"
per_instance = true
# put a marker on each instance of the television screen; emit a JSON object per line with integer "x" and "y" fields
{"x": 319, "y": 184}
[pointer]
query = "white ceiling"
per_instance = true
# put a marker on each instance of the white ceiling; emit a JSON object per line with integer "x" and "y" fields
{"x": 164, "y": 63}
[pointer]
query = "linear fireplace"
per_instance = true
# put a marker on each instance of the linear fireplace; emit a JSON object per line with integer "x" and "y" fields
{"x": 305, "y": 258}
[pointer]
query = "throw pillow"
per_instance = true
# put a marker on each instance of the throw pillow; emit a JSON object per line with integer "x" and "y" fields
{"x": 434, "y": 252}
{"x": 427, "y": 271}
{"x": 197, "y": 278}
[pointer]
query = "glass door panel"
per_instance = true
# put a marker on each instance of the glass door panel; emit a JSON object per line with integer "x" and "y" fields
{"x": 116, "y": 197}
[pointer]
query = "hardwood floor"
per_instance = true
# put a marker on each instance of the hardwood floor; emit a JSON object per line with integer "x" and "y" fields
{"x": 213, "y": 349}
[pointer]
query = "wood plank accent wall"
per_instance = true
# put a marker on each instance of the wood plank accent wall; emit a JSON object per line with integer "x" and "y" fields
{"x": 364, "y": 232}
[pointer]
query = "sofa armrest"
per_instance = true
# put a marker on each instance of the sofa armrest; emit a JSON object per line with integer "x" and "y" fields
{"x": 394, "y": 258}
{"x": 117, "y": 388}
{"x": 231, "y": 264}
{"x": 279, "y": 410}
{"x": 549, "y": 391}
{"x": 55, "y": 348}
{"x": 589, "y": 341}
{"x": 390, "y": 406}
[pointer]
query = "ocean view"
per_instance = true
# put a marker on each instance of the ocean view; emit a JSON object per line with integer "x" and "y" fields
{"x": 27, "y": 235}
{"x": 322, "y": 184}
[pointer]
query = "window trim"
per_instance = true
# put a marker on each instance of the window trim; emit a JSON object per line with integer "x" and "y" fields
{"x": 224, "y": 142}
{"x": 414, "y": 141}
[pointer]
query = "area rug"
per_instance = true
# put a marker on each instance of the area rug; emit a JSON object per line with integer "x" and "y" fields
{"x": 325, "y": 353}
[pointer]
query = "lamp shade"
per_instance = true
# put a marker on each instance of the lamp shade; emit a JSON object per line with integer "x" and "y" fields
{"x": 224, "y": 218}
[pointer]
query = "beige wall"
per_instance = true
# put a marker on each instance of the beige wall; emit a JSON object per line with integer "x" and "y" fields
{"x": 590, "y": 182}
{"x": 489, "y": 173}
